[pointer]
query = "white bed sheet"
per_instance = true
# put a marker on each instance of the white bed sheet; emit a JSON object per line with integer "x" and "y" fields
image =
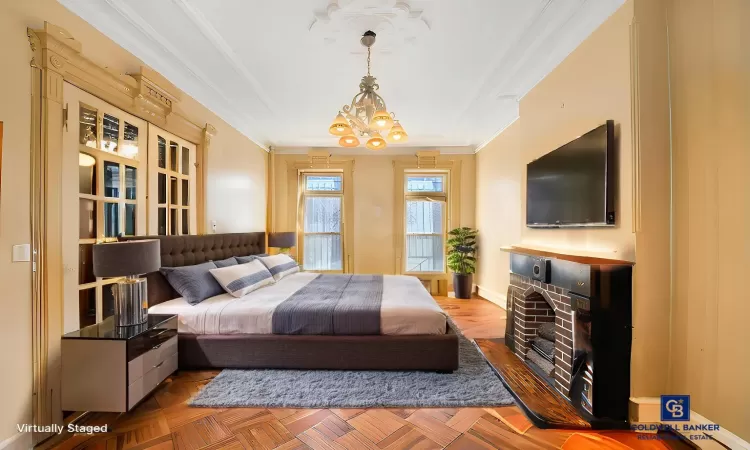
{"x": 406, "y": 309}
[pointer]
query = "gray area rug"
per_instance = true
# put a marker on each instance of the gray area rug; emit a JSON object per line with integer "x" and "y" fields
{"x": 473, "y": 384}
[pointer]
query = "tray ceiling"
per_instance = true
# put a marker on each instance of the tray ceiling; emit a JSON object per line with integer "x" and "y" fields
{"x": 279, "y": 70}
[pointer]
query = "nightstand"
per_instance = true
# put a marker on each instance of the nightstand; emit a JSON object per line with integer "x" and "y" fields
{"x": 110, "y": 369}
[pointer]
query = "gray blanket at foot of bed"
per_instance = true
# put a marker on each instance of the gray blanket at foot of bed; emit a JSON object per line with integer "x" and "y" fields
{"x": 332, "y": 304}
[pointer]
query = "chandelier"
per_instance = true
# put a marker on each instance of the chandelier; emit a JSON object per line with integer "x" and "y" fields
{"x": 367, "y": 115}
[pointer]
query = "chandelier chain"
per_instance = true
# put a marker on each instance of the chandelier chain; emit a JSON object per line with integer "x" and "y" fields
{"x": 368, "y": 61}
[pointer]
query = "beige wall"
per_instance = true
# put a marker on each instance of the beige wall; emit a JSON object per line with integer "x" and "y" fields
{"x": 589, "y": 87}
{"x": 498, "y": 213}
{"x": 236, "y": 182}
{"x": 15, "y": 278}
{"x": 710, "y": 78}
{"x": 592, "y": 85}
{"x": 374, "y": 196}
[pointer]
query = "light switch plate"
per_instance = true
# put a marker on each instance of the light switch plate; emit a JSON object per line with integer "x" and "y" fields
{"x": 22, "y": 253}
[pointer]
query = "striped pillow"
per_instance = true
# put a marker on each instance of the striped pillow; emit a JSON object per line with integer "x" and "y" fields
{"x": 280, "y": 265}
{"x": 247, "y": 259}
{"x": 242, "y": 279}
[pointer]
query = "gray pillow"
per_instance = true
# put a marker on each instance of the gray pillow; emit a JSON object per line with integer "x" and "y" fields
{"x": 226, "y": 262}
{"x": 194, "y": 283}
{"x": 247, "y": 259}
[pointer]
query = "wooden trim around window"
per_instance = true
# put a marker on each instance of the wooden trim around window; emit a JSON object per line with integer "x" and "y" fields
{"x": 346, "y": 167}
{"x": 453, "y": 214}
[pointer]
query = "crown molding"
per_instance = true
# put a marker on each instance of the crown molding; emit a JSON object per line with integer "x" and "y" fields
{"x": 215, "y": 38}
{"x": 161, "y": 46}
{"x": 361, "y": 151}
{"x": 487, "y": 142}
{"x": 556, "y": 27}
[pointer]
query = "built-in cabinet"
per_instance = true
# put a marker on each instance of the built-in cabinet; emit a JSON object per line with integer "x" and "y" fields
{"x": 171, "y": 184}
{"x": 122, "y": 176}
{"x": 103, "y": 196}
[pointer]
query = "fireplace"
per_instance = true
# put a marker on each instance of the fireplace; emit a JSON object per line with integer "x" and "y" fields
{"x": 570, "y": 322}
{"x": 538, "y": 305}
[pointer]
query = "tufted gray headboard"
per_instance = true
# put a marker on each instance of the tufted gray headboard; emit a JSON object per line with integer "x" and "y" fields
{"x": 177, "y": 251}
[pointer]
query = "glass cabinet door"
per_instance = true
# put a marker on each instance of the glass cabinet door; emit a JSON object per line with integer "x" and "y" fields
{"x": 106, "y": 152}
{"x": 171, "y": 180}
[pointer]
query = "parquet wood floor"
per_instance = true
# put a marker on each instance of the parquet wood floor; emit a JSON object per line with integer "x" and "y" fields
{"x": 164, "y": 421}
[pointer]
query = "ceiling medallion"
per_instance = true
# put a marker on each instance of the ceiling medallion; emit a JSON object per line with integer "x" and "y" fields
{"x": 367, "y": 115}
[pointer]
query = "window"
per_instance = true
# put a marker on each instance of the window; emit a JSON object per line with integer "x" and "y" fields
{"x": 424, "y": 217}
{"x": 322, "y": 199}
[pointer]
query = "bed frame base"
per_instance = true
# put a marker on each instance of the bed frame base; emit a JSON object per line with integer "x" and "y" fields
{"x": 248, "y": 351}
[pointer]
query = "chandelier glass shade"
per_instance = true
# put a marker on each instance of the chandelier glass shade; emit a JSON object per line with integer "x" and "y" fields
{"x": 376, "y": 142}
{"x": 397, "y": 134}
{"x": 349, "y": 141}
{"x": 367, "y": 114}
{"x": 340, "y": 126}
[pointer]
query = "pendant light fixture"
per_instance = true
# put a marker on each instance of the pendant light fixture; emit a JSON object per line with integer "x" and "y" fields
{"x": 367, "y": 114}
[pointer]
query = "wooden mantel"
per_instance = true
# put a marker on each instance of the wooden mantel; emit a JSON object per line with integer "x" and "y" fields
{"x": 582, "y": 259}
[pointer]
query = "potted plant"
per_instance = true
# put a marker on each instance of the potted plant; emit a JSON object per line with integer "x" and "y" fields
{"x": 461, "y": 260}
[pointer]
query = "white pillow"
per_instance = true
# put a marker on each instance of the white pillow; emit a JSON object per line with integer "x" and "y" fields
{"x": 241, "y": 279}
{"x": 279, "y": 265}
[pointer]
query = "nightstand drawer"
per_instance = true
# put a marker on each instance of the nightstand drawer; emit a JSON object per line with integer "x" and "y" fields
{"x": 138, "y": 367}
{"x": 155, "y": 336}
{"x": 143, "y": 386}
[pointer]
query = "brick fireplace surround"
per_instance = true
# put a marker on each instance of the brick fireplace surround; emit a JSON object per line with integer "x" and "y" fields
{"x": 535, "y": 303}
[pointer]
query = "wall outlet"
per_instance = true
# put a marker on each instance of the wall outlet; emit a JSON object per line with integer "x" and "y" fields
{"x": 213, "y": 226}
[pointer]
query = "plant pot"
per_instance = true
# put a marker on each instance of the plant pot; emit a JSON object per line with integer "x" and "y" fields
{"x": 462, "y": 285}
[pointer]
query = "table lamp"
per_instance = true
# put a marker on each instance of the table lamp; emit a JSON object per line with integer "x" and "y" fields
{"x": 128, "y": 260}
{"x": 284, "y": 240}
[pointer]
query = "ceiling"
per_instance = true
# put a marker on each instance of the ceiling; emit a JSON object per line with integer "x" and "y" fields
{"x": 279, "y": 70}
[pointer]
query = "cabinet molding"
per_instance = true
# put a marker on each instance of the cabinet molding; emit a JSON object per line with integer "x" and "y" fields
{"x": 57, "y": 57}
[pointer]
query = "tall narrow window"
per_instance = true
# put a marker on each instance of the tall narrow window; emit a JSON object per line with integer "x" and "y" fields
{"x": 322, "y": 201}
{"x": 424, "y": 225}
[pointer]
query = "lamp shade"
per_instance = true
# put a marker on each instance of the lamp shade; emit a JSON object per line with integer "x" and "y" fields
{"x": 284, "y": 239}
{"x": 397, "y": 134}
{"x": 119, "y": 259}
{"x": 340, "y": 126}
{"x": 349, "y": 141}
{"x": 381, "y": 120}
{"x": 376, "y": 142}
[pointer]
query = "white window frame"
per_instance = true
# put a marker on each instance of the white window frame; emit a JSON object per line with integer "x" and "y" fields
{"x": 304, "y": 194}
{"x": 426, "y": 196}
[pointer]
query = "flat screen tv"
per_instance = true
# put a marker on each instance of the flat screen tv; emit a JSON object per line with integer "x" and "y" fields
{"x": 574, "y": 185}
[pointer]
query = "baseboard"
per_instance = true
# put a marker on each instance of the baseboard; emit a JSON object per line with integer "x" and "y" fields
{"x": 495, "y": 297}
{"x": 647, "y": 410}
{"x": 19, "y": 441}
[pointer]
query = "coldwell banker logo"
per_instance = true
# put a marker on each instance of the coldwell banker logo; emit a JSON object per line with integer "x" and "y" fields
{"x": 675, "y": 408}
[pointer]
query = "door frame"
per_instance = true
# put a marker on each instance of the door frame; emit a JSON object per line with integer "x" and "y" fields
{"x": 56, "y": 57}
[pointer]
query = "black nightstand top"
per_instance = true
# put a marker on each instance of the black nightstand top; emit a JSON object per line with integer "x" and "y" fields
{"x": 107, "y": 330}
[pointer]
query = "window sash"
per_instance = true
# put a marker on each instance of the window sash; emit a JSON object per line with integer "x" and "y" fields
{"x": 318, "y": 258}
{"x": 418, "y": 192}
{"x": 436, "y": 261}
{"x": 316, "y": 192}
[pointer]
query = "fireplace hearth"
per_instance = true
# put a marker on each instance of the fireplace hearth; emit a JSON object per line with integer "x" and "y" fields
{"x": 570, "y": 323}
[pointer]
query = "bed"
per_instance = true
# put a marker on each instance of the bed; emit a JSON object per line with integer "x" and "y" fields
{"x": 228, "y": 332}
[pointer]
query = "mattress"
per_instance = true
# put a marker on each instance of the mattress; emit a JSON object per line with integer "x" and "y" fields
{"x": 406, "y": 309}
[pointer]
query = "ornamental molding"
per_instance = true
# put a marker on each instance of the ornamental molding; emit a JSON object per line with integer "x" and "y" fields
{"x": 396, "y": 22}
{"x": 145, "y": 94}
